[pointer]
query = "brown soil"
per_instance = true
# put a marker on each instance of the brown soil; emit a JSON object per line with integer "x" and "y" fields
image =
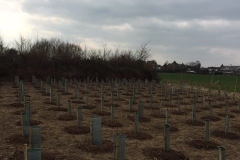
{"x": 106, "y": 147}
{"x": 143, "y": 119}
{"x": 211, "y": 118}
{"x": 32, "y": 122}
{"x": 73, "y": 129}
{"x": 201, "y": 144}
{"x": 58, "y": 109}
{"x": 139, "y": 136}
{"x": 101, "y": 113}
{"x": 222, "y": 134}
{"x": 159, "y": 153}
{"x": 224, "y": 115}
{"x": 196, "y": 123}
{"x": 62, "y": 145}
{"x": 65, "y": 117}
{"x": 112, "y": 124}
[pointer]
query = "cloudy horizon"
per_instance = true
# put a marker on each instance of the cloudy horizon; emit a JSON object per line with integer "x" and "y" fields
{"x": 177, "y": 30}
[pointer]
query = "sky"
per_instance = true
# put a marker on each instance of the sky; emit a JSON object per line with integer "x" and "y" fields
{"x": 177, "y": 30}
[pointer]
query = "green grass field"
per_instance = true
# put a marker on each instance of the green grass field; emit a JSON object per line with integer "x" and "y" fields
{"x": 224, "y": 82}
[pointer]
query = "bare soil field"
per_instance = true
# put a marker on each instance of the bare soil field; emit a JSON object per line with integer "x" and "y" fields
{"x": 62, "y": 139}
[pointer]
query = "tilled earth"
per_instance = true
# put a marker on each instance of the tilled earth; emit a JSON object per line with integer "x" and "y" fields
{"x": 62, "y": 139}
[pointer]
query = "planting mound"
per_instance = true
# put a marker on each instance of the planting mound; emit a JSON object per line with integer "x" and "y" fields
{"x": 159, "y": 153}
{"x": 196, "y": 123}
{"x": 17, "y": 105}
{"x": 114, "y": 123}
{"x": 32, "y": 122}
{"x": 64, "y": 93}
{"x": 19, "y": 112}
{"x": 222, "y": 134}
{"x": 169, "y": 105}
{"x": 201, "y": 144}
{"x": 130, "y": 111}
{"x": 65, "y": 117}
{"x": 184, "y": 103}
{"x": 151, "y": 108}
{"x": 224, "y": 115}
{"x": 235, "y": 111}
{"x": 88, "y": 107}
{"x": 217, "y": 106}
{"x": 236, "y": 127}
{"x": 142, "y": 119}
{"x": 17, "y": 139}
{"x": 57, "y": 109}
{"x": 157, "y": 115}
{"x": 45, "y": 94}
{"x": 139, "y": 136}
{"x": 175, "y": 112}
{"x": 106, "y": 147}
{"x": 79, "y": 102}
{"x": 173, "y": 128}
{"x": 73, "y": 129}
{"x": 115, "y": 105}
{"x": 19, "y": 155}
{"x": 51, "y": 103}
{"x": 101, "y": 113}
{"x": 211, "y": 118}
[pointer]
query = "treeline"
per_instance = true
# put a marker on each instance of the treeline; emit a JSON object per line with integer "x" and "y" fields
{"x": 56, "y": 58}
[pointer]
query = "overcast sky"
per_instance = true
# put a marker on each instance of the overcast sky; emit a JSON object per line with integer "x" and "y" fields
{"x": 180, "y": 30}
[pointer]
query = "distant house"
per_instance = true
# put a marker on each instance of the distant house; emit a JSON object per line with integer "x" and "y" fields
{"x": 212, "y": 70}
{"x": 152, "y": 65}
{"x": 229, "y": 69}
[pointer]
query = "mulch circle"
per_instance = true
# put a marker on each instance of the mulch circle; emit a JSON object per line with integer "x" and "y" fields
{"x": 51, "y": 103}
{"x": 235, "y": 111}
{"x": 127, "y": 94}
{"x": 106, "y": 147}
{"x": 236, "y": 127}
{"x": 160, "y": 153}
{"x": 211, "y": 118}
{"x": 173, "y": 128}
{"x": 184, "y": 103}
{"x": 151, "y": 108}
{"x": 79, "y": 102}
{"x": 65, "y": 117}
{"x": 17, "y": 105}
{"x": 101, "y": 113}
{"x": 45, "y": 94}
{"x": 139, "y": 136}
{"x": 222, "y": 134}
{"x": 17, "y": 139}
{"x": 109, "y": 105}
{"x": 88, "y": 107}
{"x": 143, "y": 119}
{"x": 64, "y": 93}
{"x": 110, "y": 123}
{"x": 217, "y": 106}
{"x": 157, "y": 115}
{"x": 196, "y": 123}
{"x": 74, "y": 97}
{"x": 19, "y": 155}
{"x": 130, "y": 111}
{"x": 73, "y": 129}
{"x": 19, "y": 112}
{"x": 224, "y": 115}
{"x": 58, "y": 109}
{"x": 32, "y": 122}
{"x": 176, "y": 112}
{"x": 201, "y": 144}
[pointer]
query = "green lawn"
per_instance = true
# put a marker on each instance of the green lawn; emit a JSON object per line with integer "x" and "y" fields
{"x": 224, "y": 82}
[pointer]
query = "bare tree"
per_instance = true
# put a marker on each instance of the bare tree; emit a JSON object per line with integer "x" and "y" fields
{"x": 143, "y": 53}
